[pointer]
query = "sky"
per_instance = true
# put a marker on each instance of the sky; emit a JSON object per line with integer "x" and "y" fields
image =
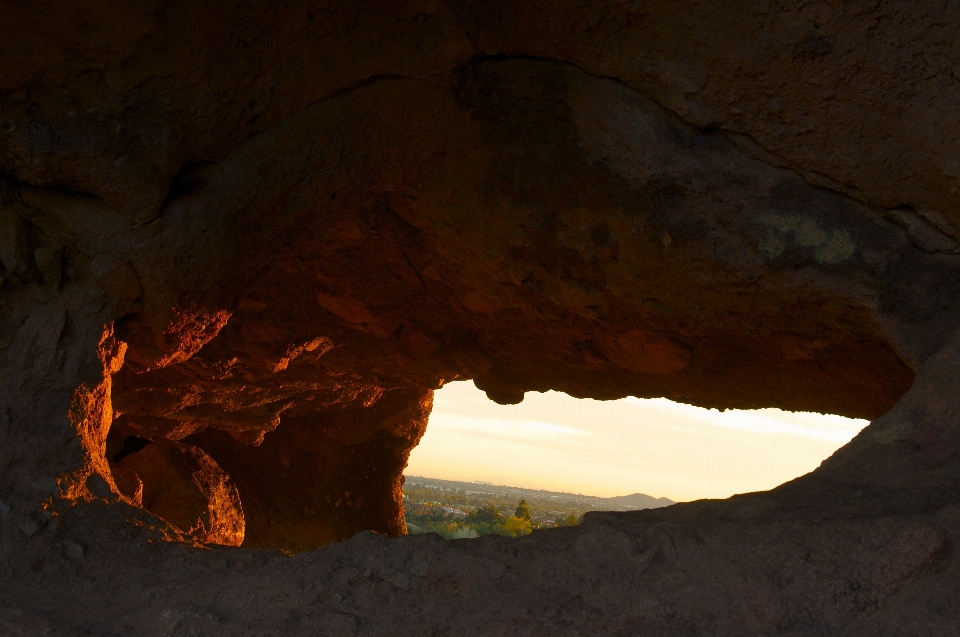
{"x": 606, "y": 448}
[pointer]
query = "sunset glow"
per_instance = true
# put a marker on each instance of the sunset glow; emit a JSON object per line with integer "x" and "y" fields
{"x": 606, "y": 448}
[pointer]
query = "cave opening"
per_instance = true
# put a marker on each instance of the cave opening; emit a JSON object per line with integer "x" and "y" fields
{"x": 280, "y": 345}
{"x": 256, "y": 363}
{"x": 654, "y": 446}
{"x": 243, "y": 244}
{"x": 299, "y": 483}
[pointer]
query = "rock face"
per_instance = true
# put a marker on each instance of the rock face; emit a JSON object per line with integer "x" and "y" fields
{"x": 242, "y": 244}
{"x": 186, "y": 487}
{"x": 317, "y": 480}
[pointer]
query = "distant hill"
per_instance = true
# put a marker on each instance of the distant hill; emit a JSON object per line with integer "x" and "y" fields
{"x": 562, "y": 499}
{"x": 636, "y": 501}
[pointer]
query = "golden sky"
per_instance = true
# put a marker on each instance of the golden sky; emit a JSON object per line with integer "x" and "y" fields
{"x": 606, "y": 448}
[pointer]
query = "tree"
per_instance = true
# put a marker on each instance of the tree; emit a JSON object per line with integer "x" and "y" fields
{"x": 570, "y": 520}
{"x": 523, "y": 511}
{"x": 517, "y": 526}
{"x": 487, "y": 514}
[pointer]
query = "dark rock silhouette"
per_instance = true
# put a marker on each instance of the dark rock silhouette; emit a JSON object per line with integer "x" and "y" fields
{"x": 260, "y": 235}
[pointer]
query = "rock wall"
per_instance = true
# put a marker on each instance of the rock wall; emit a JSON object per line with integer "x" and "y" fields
{"x": 242, "y": 244}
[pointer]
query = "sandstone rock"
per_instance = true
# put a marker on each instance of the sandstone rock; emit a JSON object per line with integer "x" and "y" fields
{"x": 117, "y": 277}
{"x": 13, "y": 243}
{"x": 129, "y": 484}
{"x": 73, "y": 551}
{"x": 645, "y": 352}
{"x": 50, "y": 266}
{"x": 28, "y": 527}
{"x": 326, "y": 477}
{"x": 185, "y": 487}
{"x": 287, "y": 223}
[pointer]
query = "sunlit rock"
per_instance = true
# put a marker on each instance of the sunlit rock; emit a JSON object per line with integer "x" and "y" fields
{"x": 186, "y": 487}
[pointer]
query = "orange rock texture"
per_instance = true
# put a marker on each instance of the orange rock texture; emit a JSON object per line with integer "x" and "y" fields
{"x": 242, "y": 243}
{"x": 186, "y": 487}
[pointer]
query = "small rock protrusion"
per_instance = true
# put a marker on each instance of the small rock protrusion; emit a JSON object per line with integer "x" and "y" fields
{"x": 923, "y": 234}
{"x": 50, "y": 264}
{"x": 99, "y": 487}
{"x": 129, "y": 484}
{"x": 46, "y": 486}
{"x": 504, "y": 396}
{"x": 188, "y": 489}
{"x": 116, "y": 276}
{"x": 13, "y": 244}
{"x": 73, "y": 551}
{"x": 28, "y": 527}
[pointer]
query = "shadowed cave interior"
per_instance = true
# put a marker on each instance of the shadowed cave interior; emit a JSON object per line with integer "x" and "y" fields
{"x": 664, "y": 261}
{"x": 268, "y": 396}
{"x": 237, "y": 264}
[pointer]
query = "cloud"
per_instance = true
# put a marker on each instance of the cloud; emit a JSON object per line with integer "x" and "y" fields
{"x": 512, "y": 430}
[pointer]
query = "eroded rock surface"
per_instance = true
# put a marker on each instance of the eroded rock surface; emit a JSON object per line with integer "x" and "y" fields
{"x": 317, "y": 480}
{"x": 186, "y": 487}
{"x": 242, "y": 244}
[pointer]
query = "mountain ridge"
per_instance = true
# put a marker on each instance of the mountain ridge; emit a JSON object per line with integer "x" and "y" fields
{"x": 631, "y": 502}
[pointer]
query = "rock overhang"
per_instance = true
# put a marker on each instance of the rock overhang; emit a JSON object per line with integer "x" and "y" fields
{"x": 275, "y": 279}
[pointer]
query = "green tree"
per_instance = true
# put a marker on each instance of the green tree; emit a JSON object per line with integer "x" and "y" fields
{"x": 523, "y": 511}
{"x": 486, "y": 515}
{"x": 571, "y": 520}
{"x": 516, "y": 526}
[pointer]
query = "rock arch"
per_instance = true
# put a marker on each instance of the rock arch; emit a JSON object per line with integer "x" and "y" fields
{"x": 259, "y": 242}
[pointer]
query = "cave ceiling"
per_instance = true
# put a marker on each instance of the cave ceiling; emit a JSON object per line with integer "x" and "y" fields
{"x": 243, "y": 243}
